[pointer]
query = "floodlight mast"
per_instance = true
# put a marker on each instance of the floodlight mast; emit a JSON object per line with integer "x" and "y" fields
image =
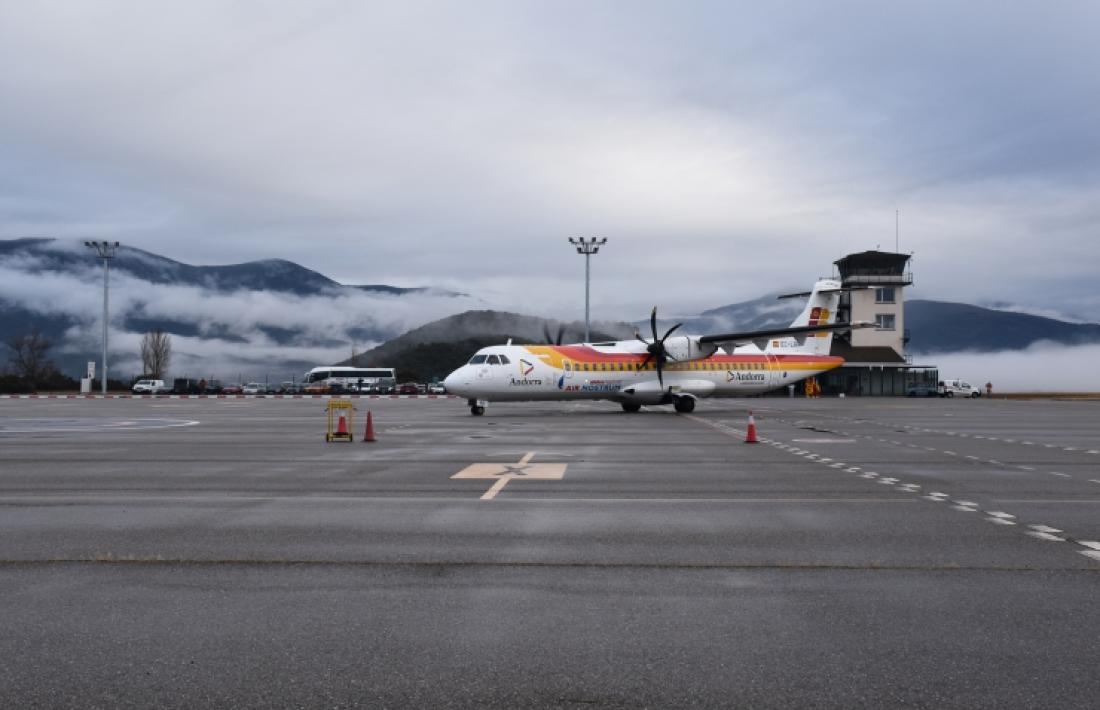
{"x": 105, "y": 251}
{"x": 588, "y": 247}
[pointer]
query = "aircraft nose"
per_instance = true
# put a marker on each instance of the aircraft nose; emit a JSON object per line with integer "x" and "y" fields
{"x": 455, "y": 382}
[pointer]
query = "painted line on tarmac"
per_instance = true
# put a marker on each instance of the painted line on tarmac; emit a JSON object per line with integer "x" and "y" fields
{"x": 1036, "y": 531}
{"x": 75, "y": 426}
{"x": 502, "y": 473}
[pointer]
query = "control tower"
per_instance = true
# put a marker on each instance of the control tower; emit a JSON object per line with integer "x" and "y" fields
{"x": 878, "y": 280}
{"x": 875, "y": 362}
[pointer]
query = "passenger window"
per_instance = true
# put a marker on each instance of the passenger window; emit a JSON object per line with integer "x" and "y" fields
{"x": 494, "y": 360}
{"x": 477, "y": 359}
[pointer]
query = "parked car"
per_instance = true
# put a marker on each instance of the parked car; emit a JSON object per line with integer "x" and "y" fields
{"x": 213, "y": 387}
{"x": 923, "y": 391}
{"x": 233, "y": 389}
{"x": 288, "y": 387}
{"x": 150, "y": 387}
{"x": 320, "y": 387}
{"x": 436, "y": 388}
{"x": 408, "y": 388}
{"x": 254, "y": 388}
{"x": 959, "y": 388}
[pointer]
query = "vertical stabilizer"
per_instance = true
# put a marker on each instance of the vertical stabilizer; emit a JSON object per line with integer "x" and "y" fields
{"x": 820, "y": 309}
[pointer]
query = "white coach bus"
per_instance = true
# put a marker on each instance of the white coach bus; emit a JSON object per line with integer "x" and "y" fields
{"x": 353, "y": 379}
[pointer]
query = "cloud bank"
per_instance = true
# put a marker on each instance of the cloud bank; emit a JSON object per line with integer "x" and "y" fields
{"x": 1042, "y": 367}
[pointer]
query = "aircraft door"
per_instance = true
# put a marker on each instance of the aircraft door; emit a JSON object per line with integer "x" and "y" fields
{"x": 774, "y": 375}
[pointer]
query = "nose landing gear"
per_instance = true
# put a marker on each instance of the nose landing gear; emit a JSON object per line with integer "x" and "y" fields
{"x": 477, "y": 407}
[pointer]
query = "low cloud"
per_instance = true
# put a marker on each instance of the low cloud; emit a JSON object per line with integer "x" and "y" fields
{"x": 254, "y": 333}
{"x": 1042, "y": 367}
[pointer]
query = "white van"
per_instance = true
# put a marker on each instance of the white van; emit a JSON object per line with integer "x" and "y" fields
{"x": 951, "y": 388}
{"x": 150, "y": 387}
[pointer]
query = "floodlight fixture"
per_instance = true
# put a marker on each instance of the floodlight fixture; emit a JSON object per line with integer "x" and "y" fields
{"x": 106, "y": 251}
{"x": 588, "y": 247}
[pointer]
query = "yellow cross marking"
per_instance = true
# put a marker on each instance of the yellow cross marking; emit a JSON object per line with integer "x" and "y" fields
{"x": 504, "y": 472}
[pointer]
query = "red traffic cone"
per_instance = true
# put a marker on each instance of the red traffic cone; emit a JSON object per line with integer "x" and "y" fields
{"x": 342, "y": 427}
{"x": 751, "y": 437}
{"x": 368, "y": 434}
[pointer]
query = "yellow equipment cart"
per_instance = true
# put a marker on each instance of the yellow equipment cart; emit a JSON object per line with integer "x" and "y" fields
{"x": 339, "y": 420}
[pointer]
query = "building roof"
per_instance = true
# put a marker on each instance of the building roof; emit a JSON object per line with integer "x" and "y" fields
{"x": 876, "y": 354}
{"x": 872, "y": 262}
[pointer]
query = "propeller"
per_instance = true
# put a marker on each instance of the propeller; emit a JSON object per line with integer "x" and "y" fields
{"x": 550, "y": 339}
{"x": 656, "y": 350}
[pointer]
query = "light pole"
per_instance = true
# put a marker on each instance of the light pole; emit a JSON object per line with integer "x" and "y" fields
{"x": 588, "y": 247}
{"x": 105, "y": 251}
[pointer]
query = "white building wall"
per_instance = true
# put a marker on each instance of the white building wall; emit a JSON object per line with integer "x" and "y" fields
{"x": 865, "y": 307}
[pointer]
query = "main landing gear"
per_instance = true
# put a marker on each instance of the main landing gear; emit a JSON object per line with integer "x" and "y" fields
{"x": 684, "y": 405}
{"x": 631, "y": 407}
{"x": 476, "y": 408}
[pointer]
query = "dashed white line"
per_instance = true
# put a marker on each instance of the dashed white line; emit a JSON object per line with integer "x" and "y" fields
{"x": 1026, "y": 468}
{"x": 1046, "y": 536}
{"x": 1057, "y": 473}
{"x": 1000, "y": 521}
{"x": 1044, "y": 529}
{"x": 1000, "y": 514}
{"x": 1089, "y": 543}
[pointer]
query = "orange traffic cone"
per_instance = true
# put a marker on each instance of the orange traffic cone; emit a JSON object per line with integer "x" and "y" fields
{"x": 342, "y": 427}
{"x": 751, "y": 437}
{"x": 368, "y": 434}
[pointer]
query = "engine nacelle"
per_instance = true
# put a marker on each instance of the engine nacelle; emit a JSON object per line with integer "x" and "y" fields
{"x": 684, "y": 347}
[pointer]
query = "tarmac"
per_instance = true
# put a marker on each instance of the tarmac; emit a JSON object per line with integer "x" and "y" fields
{"x": 866, "y": 553}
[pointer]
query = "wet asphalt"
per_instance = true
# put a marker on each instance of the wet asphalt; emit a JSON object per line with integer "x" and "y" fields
{"x": 865, "y": 553}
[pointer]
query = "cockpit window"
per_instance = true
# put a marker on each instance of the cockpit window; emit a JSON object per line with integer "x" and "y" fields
{"x": 477, "y": 359}
{"x": 504, "y": 360}
{"x": 494, "y": 360}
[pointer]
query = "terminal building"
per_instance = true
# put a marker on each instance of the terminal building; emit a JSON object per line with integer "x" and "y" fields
{"x": 875, "y": 361}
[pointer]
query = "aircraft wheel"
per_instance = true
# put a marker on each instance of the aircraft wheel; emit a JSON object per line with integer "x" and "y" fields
{"x": 631, "y": 407}
{"x": 477, "y": 411}
{"x": 685, "y": 405}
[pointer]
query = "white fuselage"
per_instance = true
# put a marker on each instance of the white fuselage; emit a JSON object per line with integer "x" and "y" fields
{"x": 615, "y": 371}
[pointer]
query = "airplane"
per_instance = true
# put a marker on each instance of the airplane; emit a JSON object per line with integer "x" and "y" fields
{"x": 667, "y": 370}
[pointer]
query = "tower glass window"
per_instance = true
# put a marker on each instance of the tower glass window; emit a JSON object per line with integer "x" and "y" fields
{"x": 885, "y": 294}
{"x": 885, "y": 321}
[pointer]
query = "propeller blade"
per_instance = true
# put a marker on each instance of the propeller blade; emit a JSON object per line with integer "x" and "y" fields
{"x": 653, "y": 324}
{"x": 670, "y": 331}
{"x": 561, "y": 334}
{"x": 647, "y": 359}
{"x": 546, "y": 332}
{"x": 660, "y": 378}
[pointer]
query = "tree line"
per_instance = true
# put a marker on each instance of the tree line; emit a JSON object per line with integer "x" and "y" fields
{"x": 30, "y": 367}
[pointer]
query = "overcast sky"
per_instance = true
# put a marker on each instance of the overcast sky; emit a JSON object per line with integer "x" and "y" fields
{"x": 725, "y": 150}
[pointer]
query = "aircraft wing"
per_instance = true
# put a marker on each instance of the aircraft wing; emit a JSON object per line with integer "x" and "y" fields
{"x": 750, "y": 336}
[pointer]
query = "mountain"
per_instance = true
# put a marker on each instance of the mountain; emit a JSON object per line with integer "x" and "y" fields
{"x": 278, "y": 275}
{"x": 435, "y": 349}
{"x": 273, "y": 319}
{"x": 937, "y": 326}
{"x": 257, "y": 319}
